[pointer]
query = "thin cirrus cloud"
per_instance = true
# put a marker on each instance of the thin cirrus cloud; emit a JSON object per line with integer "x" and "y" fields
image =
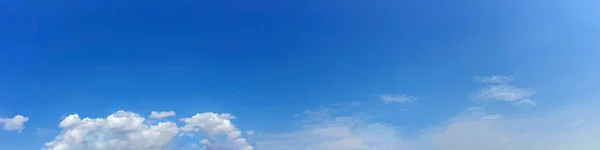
{"x": 493, "y": 79}
{"x": 396, "y": 98}
{"x": 498, "y": 88}
{"x": 14, "y": 124}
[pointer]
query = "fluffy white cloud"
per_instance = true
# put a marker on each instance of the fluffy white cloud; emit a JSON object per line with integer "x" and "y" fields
{"x": 119, "y": 131}
{"x": 129, "y": 131}
{"x": 15, "y": 123}
{"x": 160, "y": 115}
{"x": 397, "y": 98}
{"x": 474, "y": 129}
{"x": 212, "y": 125}
{"x": 502, "y": 91}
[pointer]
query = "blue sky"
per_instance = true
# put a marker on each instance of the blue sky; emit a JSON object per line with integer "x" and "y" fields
{"x": 272, "y": 64}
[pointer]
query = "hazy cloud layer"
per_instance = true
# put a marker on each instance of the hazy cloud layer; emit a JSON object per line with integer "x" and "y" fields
{"x": 473, "y": 129}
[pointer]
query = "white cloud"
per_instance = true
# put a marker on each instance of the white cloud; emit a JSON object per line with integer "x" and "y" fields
{"x": 129, "y": 131}
{"x": 211, "y": 125}
{"x": 119, "y": 131}
{"x": 474, "y": 129}
{"x": 397, "y": 98}
{"x": 502, "y": 91}
{"x": 493, "y": 79}
{"x": 15, "y": 123}
{"x": 160, "y": 115}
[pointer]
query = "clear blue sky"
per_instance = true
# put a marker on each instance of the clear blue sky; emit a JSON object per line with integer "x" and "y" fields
{"x": 266, "y": 61}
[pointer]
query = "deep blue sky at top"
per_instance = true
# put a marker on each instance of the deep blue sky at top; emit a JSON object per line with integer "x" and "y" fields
{"x": 267, "y": 60}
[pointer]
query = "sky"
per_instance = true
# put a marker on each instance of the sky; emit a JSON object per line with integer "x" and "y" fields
{"x": 299, "y": 75}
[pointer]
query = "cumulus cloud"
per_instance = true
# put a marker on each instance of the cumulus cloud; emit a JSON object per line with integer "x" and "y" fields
{"x": 124, "y": 130}
{"x": 14, "y": 124}
{"x": 119, "y": 131}
{"x": 160, "y": 115}
{"x": 503, "y": 91}
{"x": 473, "y": 129}
{"x": 211, "y": 125}
{"x": 396, "y": 98}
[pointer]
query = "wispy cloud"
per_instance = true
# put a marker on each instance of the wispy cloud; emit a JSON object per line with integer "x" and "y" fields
{"x": 526, "y": 102}
{"x": 396, "y": 98}
{"x": 493, "y": 79}
{"x": 473, "y": 129}
{"x": 503, "y": 91}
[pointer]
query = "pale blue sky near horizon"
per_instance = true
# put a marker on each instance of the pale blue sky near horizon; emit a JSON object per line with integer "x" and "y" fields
{"x": 265, "y": 61}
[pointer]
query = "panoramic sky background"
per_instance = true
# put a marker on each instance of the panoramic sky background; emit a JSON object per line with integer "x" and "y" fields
{"x": 300, "y": 75}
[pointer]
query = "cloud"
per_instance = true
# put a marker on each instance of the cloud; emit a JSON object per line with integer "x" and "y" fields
{"x": 504, "y": 92}
{"x": 526, "y": 102}
{"x": 211, "y": 125}
{"x": 160, "y": 115}
{"x": 119, "y": 131}
{"x": 473, "y": 129}
{"x": 397, "y": 98}
{"x": 493, "y": 79}
{"x": 14, "y": 124}
{"x": 124, "y": 130}
{"x": 324, "y": 131}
